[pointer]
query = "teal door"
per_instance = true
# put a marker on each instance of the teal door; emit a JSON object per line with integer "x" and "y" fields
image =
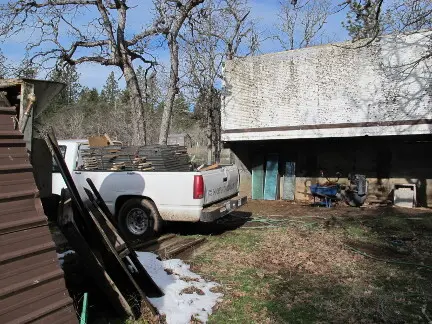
{"x": 271, "y": 182}
{"x": 258, "y": 177}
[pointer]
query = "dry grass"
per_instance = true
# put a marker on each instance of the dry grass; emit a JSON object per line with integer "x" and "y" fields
{"x": 303, "y": 272}
{"x": 192, "y": 290}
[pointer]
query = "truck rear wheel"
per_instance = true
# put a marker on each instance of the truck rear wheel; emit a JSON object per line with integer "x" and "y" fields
{"x": 138, "y": 219}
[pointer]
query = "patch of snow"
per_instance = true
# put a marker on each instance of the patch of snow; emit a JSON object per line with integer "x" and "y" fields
{"x": 60, "y": 256}
{"x": 179, "y": 307}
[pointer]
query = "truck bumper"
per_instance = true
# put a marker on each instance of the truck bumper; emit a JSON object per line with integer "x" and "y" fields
{"x": 221, "y": 209}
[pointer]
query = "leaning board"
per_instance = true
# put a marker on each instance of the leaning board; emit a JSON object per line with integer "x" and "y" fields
{"x": 289, "y": 181}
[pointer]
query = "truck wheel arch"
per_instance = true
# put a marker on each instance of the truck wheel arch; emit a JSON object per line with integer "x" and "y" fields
{"x": 122, "y": 199}
{"x": 157, "y": 219}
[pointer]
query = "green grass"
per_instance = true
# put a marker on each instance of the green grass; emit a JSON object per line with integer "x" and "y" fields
{"x": 392, "y": 223}
{"x": 305, "y": 313}
{"x": 354, "y": 289}
{"x": 238, "y": 311}
{"x": 357, "y": 232}
{"x": 344, "y": 288}
{"x": 139, "y": 321}
{"x": 244, "y": 240}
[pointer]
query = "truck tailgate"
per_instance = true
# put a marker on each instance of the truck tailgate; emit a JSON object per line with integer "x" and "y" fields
{"x": 219, "y": 184}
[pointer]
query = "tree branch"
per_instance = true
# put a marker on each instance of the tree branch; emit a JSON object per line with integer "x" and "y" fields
{"x": 107, "y": 25}
{"x": 50, "y": 3}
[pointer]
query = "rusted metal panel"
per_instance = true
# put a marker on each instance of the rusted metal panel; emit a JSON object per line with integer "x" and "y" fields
{"x": 32, "y": 286}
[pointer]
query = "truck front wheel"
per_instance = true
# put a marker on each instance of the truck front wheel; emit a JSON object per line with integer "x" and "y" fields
{"x": 138, "y": 219}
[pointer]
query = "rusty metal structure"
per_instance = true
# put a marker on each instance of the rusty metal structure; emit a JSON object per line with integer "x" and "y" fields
{"x": 32, "y": 285}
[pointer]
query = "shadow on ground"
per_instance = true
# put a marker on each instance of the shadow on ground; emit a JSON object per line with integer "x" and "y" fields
{"x": 386, "y": 281}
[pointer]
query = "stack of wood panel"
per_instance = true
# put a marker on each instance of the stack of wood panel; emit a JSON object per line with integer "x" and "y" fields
{"x": 90, "y": 163}
{"x": 168, "y": 158}
{"x": 141, "y": 164}
{"x": 112, "y": 159}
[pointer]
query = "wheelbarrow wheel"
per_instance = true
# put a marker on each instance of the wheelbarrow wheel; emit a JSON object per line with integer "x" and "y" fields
{"x": 353, "y": 199}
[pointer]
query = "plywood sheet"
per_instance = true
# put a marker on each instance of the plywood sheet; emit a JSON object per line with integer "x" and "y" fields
{"x": 289, "y": 181}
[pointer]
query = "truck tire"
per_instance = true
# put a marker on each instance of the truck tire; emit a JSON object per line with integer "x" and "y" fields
{"x": 138, "y": 219}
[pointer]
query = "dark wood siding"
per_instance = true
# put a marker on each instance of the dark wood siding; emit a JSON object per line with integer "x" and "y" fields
{"x": 32, "y": 286}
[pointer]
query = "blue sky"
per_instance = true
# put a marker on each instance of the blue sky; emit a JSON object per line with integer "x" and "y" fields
{"x": 264, "y": 12}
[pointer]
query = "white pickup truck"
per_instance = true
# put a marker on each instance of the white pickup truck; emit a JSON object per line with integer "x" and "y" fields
{"x": 141, "y": 201}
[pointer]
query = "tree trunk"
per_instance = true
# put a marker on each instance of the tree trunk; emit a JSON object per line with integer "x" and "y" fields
{"x": 209, "y": 102}
{"x": 138, "y": 125}
{"x": 217, "y": 125}
{"x": 171, "y": 93}
{"x": 212, "y": 102}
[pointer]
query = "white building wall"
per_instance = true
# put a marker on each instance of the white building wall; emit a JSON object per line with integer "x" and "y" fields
{"x": 330, "y": 91}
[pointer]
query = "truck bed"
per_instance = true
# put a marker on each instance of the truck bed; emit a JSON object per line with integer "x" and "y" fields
{"x": 172, "y": 192}
{"x": 177, "y": 195}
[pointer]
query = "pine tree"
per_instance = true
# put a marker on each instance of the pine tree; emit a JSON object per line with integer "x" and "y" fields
{"x": 68, "y": 75}
{"x": 90, "y": 103}
{"x": 182, "y": 116}
{"x": 88, "y": 95}
{"x": 26, "y": 71}
{"x": 110, "y": 91}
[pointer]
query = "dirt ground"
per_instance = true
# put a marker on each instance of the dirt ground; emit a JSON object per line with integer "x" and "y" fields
{"x": 288, "y": 263}
{"x": 279, "y": 262}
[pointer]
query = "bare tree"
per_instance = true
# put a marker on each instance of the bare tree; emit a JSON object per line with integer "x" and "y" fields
{"x": 173, "y": 14}
{"x": 58, "y": 32}
{"x": 235, "y": 28}
{"x": 3, "y": 67}
{"x": 368, "y": 19}
{"x": 410, "y": 15}
{"x": 150, "y": 84}
{"x": 302, "y": 22}
{"x": 222, "y": 30}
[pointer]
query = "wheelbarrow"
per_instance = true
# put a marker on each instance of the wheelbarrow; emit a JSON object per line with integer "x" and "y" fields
{"x": 325, "y": 194}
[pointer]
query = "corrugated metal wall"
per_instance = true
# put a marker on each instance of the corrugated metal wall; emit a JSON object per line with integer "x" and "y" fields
{"x": 32, "y": 286}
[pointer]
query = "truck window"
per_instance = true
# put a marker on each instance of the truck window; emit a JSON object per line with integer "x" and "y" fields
{"x": 63, "y": 153}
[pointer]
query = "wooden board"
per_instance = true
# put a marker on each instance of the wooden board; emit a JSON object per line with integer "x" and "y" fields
{"x": 210, "y": 167}
{"x": 258, "y": 177}
{"x": 289, "y": 181}
{"x": 92, "y": 262}
{"x": 103, "y": 240}
{"x": 98, "y": 141}
{"x": 271, "y": 182}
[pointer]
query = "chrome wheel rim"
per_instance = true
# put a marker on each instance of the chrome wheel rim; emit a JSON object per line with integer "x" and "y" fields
{"x": 137, "y": 221}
